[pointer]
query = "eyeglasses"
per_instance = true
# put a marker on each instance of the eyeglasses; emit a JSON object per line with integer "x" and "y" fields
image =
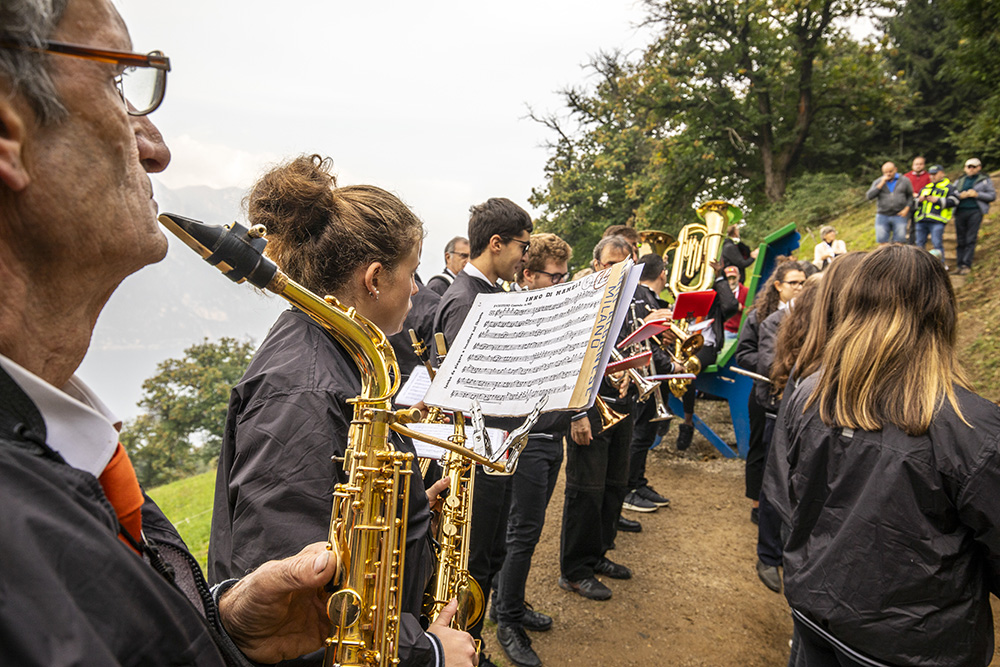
{"x": 793, "y": 283}
{"x": 556, "y": 278}
{"x": 460, "y": 255}
{"x": 526, "y": 244}
{"x": 973, "y": 166}
{"x": 143, "y": 79}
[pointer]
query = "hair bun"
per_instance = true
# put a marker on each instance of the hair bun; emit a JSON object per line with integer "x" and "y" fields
{"x": 294, "y": 200}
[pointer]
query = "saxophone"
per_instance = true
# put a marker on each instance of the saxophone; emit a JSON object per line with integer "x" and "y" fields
{"x": 368, "y": 520}
{"x": 451, "y": 579}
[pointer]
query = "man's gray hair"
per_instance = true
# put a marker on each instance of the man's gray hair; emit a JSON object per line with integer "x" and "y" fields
{"x": 31, "y": 22}
{"x": 454, "y": 242}
{"x": 615, "y": 242}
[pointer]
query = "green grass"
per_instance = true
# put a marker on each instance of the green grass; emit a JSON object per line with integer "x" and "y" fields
{"x": 188, "y": 505}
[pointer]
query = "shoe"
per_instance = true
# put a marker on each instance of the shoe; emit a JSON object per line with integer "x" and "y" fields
{"x": 535, "y": 621}
{"x": 636, "y": 503}
{"x": 590, "y": 588}
{"x": 755, "y": 515}
{"x": 684, "y": 434}
{"x": 628, "y": 525}
{"x": 963, "y": 270}
{"x": 647, "y": 493}
{"x": 609, "y": 568}
{"x": 769, "y": 575}
{"x": 517, "y": 646}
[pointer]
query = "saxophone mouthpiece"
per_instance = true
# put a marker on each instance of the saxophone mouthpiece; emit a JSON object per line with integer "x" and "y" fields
{"x": 234, "y": 250}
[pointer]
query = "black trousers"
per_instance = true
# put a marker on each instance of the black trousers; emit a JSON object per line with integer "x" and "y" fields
{"x": 643, "y": 435}
{"x": 769, "y": 545}
{"x": 488, "y": 531}
{"x": 596, "y": 484}
{"x": 756, "y": 451}
{"x": 967, "y": 221}
{"x": 531, "y": 489}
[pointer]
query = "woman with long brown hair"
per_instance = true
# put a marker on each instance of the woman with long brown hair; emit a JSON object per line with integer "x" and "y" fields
{"x": 780, "y": 288}
{"x": 289, "y": 415}
{"x": 893, "y": 467}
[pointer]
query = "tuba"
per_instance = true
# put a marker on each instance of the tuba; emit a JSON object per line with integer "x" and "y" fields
{"x": 368, "y": 520}
{"x": 698, "y": 245}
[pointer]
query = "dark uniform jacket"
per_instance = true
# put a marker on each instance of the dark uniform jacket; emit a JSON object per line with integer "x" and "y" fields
{"x": 273, "y": 495}
{"x": 439, "y": 283}
{"x": 732, "y": 255}
{"x": 71, "y": 592}
{"x": 894, "y": 545}
{"x": 421, "y": 320}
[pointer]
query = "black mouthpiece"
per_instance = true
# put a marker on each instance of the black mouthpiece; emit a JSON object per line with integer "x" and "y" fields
{"x": 233, "y": 250}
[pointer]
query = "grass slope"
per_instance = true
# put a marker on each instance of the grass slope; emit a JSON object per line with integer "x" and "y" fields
{"x": 188, "y": 505}
{"x": 979, "y": 307}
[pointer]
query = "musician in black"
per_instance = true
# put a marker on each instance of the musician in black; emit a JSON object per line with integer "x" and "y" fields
{"x": 499, "y": 238}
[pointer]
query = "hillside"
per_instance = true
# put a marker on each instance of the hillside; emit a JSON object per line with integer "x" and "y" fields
{"x": 979, "y": 307}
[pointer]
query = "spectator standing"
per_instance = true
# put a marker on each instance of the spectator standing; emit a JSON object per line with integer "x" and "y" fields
{"x": 829, "y": 248}
{"x": 736, "y": 253}
{"x": 918, "y": 177}
{"x": 894, "y": 195}
{"x": 975, "y": 191}
{"x": 456, "y": 254}
{"x": 740, "y": 291}
{"x": 936, "y": 203}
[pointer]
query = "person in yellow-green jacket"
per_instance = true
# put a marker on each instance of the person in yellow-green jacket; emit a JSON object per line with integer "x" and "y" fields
{"x": 935, "y": 206}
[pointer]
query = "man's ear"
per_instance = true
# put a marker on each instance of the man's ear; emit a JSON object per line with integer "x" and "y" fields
{"x": 496, "y": 243}
{"x": 13, "y": 173}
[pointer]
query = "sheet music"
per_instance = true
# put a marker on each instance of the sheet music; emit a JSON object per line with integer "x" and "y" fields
{"x": 428, "y": 451}
{"x": 519, "y": 346}
{"x": 413, "y": 390}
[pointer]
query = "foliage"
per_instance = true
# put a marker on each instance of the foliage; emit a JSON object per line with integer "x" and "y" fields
{"x": 813, "y": 199}
{"x": 975, "y": 64}
{"x": 188, "y": 504}
{"x": 180, "y": 431}
{"x": 731, "y": 101}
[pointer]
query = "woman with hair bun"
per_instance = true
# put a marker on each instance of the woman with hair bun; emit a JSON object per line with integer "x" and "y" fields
{"x": 289, "y": 415}
{"x": 893, "y": 466}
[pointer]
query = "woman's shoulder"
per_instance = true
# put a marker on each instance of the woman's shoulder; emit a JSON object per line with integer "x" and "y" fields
{"x": 299, "y": 355}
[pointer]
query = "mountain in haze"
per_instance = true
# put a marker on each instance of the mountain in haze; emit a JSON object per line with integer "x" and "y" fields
{"x": 163, "y": 309}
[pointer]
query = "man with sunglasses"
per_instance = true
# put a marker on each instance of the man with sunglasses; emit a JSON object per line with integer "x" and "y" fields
{"x": 456, "y": 255}
{"x": 532, "y": 484}
{"x": 92, "y": 572}
{"x": 499, "y": 240}
{"x": 975, "y": 192}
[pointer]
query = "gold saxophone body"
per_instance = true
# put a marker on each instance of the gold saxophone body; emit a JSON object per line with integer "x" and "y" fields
{"x": 451, "y": 579}
{"x": 368, "y": 520}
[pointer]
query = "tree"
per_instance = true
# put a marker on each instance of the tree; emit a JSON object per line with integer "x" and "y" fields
{"x": 184, "y": 410}
{"x": 731, "y": 101}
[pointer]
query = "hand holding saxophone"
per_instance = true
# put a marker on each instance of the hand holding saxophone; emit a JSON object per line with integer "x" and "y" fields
{"x": 459, "y": 646}
{"x": 278, "y": 611}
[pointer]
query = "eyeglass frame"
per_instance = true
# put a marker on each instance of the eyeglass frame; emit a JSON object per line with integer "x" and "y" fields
{"x": 793, "y": 283}
{"x": 460, "y": 255}
{"x": 527, "y": 244}
{"x": 153, "y": 59}
{"x": 556, "y": 278}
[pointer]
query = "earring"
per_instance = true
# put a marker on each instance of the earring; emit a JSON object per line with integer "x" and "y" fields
{"x": 374, "y": 295}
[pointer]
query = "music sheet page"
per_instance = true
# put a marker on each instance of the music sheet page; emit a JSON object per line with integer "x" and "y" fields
{"x": 517, "y": 347}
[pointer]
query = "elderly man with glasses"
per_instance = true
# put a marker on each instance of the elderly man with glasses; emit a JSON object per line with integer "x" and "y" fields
{"x": 456, "y": 255}
{"x": 975, "y": 192}
{"x": 92, "y": 572}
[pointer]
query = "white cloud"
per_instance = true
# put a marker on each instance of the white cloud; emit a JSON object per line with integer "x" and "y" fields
{"x": 196, "y": 162}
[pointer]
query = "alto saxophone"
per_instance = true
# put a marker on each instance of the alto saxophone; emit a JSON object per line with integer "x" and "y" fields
{"x": 451, "y": 579}
{"x": 368, "y": 520}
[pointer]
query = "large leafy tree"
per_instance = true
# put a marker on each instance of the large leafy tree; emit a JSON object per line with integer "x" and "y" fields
{"x": 184, "y": 410}
{"x": 731, "y": 101}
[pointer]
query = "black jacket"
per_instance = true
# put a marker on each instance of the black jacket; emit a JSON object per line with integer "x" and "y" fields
{"x": 273, "y": 494}
{"x": 732, "y": 255}
{"x": 895, "y": 540}
{"x": 71, "y": 593}
{"x": 440, "y": 282}
{"x": 457, "y": 302}
{"x": 420, "y": 319}
{"x": 767, "y": 343}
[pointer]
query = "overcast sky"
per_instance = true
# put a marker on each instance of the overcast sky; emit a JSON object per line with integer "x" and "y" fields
{"x": 426, "y": 99}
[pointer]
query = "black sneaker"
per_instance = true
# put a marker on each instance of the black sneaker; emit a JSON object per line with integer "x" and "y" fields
{"x": 628, "y": 525}
{"x": 609, "y": 568}
{"x": 590, "y": 588}
{"x": 636, "y": 503}
{"x": 535, "y": 621}
{"x": 517, "y": 646}
{"x": 684, "y": 434}
{"x": 755, "y": 515}
{"x": 647, "y": 493}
